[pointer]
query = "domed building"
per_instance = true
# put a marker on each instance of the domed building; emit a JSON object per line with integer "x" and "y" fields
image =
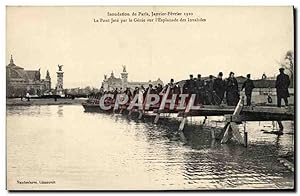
{"x": 19, "y": 81}
{"x": 113, "y": 82}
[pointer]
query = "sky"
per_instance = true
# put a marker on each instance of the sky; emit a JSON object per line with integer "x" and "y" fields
{"x": 239, "y": 39}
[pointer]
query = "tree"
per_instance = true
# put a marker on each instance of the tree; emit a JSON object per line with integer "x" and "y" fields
{"x": 288, "y": 63}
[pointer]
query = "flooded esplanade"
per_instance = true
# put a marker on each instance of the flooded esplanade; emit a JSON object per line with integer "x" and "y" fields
{"x": 181, "y": 136}
{"x": 160, "y": 98}
{"x": 73, "y": 148}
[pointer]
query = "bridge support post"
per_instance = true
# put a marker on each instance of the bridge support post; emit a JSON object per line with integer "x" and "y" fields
{"x": 142, "y": 111}
{"x": 140, "y": 114}
{"x": 280, "y": 126}
{"x": 162, "y": 104}
{"x": 245, "y": 139}
{"x": 227, "y": 134}
{"x": 245, "y": 136}
{"x": 181, "y": 126}
{"x": 232, "y": 128}
{"x": 186, "y": 113}
{"x": 205, "y": 118}
{"x": 130, "y": 112}
{"x": 156, "y": 118}
{"x": 213, "y": 135}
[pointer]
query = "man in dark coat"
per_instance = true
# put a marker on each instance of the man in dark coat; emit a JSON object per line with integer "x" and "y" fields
{"x": 136, "y": 91}
{"x": 128, "y": 93}
{"x": 219, "y": 88}
{"x": 249, "y": 86}
{"x": 282, "y": 85}
{"x": 101, "y": 91}
{"x": 159, "y": 88}
{"x": 185, "y": 87}
{"x": 189, "y": 86}
{"x": 199, "y": 85}
{"x": 232, "y": 90}
{"x": 150, "y": 89}
{"x": 172, "y": 86}
{"x": 209, "y": 91}
{"x": 116, "y": 92}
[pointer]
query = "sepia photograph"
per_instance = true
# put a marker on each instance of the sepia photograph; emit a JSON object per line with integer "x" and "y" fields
{"x": 150, "y": 98}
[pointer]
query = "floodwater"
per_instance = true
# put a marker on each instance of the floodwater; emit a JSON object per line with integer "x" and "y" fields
{"x": 73, "y": 149}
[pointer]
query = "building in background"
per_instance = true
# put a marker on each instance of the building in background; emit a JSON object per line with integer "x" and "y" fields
{"x": 19, "y": 81}
{"x": 113, "y": 82}
{"x": 47, "y": 81}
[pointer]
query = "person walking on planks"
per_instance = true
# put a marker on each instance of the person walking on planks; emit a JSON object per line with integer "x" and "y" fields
{"x": 189, "y": 86}
{"x": 172, "y": 86}
{"x": 232, "y": 90}
{"x": 209, "y": 88}
{"x": 282, "y": 85}
{"x": 219, "y": 88}
{"x": 199, "y": 83}
{"x": 249, "y": 86}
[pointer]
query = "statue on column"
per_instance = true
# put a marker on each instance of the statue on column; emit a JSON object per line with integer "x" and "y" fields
{"x": 60, "y": 67}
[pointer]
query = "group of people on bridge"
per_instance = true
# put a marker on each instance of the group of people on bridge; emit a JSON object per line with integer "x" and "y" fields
{"x": 212, "y": 91}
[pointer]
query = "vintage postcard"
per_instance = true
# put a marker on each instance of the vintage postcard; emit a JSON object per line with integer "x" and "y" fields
{"x": 150, "y": 98}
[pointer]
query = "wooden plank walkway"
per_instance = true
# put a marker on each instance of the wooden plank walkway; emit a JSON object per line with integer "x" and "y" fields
{"x": 248, "y": 113}
{"x": 233, "y": 115}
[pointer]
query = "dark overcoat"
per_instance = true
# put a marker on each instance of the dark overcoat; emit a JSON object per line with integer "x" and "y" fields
{"x": 232, "y": 92}
{"x": 282, "y": 85}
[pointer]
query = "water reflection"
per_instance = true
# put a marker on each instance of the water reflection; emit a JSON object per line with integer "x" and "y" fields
{"x": 112, "y": 151}
{"x": 60, "y": 110}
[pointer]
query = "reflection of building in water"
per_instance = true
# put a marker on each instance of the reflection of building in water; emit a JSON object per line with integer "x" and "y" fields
{"x": 60, "y": 111}
{"x": 113, "y": 82}
{"x": 21, "y": 81}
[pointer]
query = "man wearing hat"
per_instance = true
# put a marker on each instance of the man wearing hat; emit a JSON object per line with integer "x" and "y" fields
{"x": 189, "y": 86}
{"x": 219, "y": 88}
{"x": 282, "y": 85}
{"x": 209, "y": 88}
{"x": 232, "y": 90}
{"x": 249, "y": 86}
{"x": 199, "y": 89}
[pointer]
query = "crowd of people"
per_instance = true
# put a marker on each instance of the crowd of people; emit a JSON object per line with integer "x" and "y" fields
{"x": 212, "y": 91}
